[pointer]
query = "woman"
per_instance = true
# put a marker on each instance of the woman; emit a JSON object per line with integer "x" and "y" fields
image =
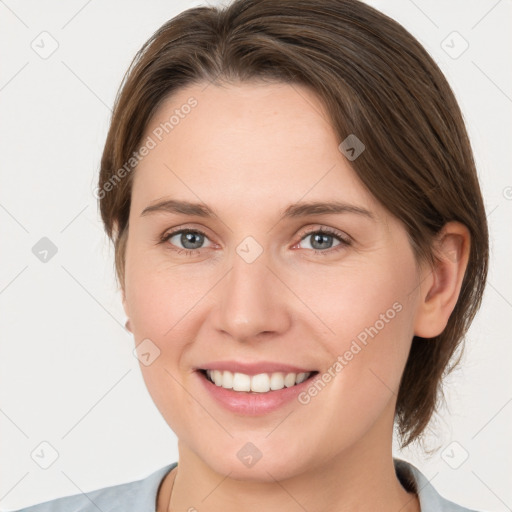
{"x": 301, "y": 245}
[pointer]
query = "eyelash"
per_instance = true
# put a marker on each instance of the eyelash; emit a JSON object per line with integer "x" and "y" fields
{"x": 344, "y": 242}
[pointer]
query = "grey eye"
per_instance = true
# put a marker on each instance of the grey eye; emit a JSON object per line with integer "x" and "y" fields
{"x": 321, "y": 241}
{"x": 188, "y": 239}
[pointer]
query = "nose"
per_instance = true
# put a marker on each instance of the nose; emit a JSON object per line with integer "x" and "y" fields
{"x": 253, "y": 302}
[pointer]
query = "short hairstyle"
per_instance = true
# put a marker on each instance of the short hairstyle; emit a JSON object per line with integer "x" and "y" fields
{"x": 377, "y": 82}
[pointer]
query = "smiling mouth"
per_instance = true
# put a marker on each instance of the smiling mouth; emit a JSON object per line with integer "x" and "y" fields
{"x": 261, "y": 383}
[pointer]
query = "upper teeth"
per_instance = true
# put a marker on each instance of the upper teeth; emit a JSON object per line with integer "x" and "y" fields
{"x": 260, "y": 383}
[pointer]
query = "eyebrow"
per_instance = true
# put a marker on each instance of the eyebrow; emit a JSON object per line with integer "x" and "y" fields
{"x": 296, "y": 210}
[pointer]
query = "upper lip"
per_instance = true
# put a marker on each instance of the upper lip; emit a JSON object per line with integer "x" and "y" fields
{"x": 253, "y": 368}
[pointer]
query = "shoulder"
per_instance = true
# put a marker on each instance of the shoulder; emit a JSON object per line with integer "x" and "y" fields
{"x": 430, "y": 500}
{"x": 139, "y": 496}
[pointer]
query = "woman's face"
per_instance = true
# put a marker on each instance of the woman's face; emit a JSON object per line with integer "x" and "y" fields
{"x": 261, "y": 285}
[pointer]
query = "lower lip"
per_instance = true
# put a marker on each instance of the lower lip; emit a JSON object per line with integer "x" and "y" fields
{"x": 251, "y": 403}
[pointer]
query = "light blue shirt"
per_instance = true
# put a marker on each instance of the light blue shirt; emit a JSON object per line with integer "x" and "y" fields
{"x": 141, "y": 495}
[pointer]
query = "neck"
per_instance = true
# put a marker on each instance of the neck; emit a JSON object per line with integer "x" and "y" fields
{"x": 344, "y": 483}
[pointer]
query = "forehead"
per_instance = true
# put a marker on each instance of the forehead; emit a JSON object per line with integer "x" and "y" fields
{"x": 248, "y": 142}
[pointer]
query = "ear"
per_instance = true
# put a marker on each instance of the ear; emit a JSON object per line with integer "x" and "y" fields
{"x": 440, "y": 286}
{"x": 115, "y": 232}
{"x": 125, "y": 307}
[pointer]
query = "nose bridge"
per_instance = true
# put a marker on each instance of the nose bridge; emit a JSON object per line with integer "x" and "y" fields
{"x": 250, "y": 302}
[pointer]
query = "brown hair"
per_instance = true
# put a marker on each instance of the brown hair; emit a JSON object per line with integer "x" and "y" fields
{"x": 378, "y": 83}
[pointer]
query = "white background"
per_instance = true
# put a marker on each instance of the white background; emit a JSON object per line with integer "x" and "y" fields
{"x": 68, "y": 375}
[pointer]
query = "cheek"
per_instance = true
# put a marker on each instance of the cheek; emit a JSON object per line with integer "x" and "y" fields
{"x": 161, "y": 304}
{"x": 160, "y": 293}
{"x": 368, "y": 317}
{"x": 165, "y": 301}
{"x": 352, "y": 301}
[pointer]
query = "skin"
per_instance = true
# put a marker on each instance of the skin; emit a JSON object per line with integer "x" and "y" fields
{"x": 248, "y": 150}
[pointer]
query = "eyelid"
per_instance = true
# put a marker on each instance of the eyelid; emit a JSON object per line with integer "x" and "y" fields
{"x": 184, "y": 227}
{"x": 169, "y": 233}
{"x": 344, "y": 237}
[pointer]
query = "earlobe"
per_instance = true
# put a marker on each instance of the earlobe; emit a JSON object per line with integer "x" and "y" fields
{"x": 127, "y": 324}
{"x": 119, "y": 260}
{"x": 441, "y": 284}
